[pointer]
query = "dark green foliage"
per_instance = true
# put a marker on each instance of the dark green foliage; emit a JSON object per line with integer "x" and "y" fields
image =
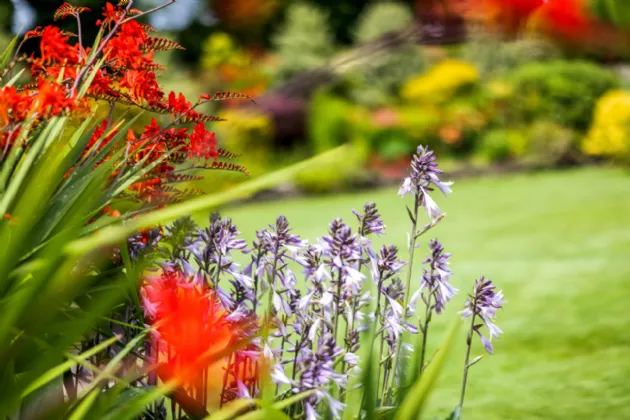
{"x": 562, "y": 91}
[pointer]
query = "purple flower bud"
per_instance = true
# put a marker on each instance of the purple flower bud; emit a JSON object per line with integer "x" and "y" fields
{"x": 422, "y": 180}
{"x": 370, "y": 221}
{"x": 388, "y": 262}
{"x": 483, "y": 302}
{"x": 435, "y": 280}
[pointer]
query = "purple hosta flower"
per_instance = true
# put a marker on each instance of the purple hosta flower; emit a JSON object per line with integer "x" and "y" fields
{"x": 436, "y": 279}
{"x": 386, "y": 264}
{"x": 370, "y": 221}
{"x": 343, "y": 253}
{"x": 484, "y": 302}
{"x": 278, "y": 236}
{"x": 316, "y": 372}
{"x": 342, "y": 247}
{"x": 392, "y": 316}
{"x": 220, "y": 238}
{"x": 214, "y": 254}
{"x": 318, "y": 297}
{"x": 424, "y": 176}
{"x": 280, "y": 246}
{"x": 143, "y": 242}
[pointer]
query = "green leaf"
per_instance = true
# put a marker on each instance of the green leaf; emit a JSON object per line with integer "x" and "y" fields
{"x": 265, "y": 414}
{"x": 114, "y": 234}
{"x": 287, "y": 402}
{"x": 455, "y": 414}
{"x": 84, "y": 405}
{"x": 413, "y": 404}
{"x": 232, "y": 409}
{"x": 60, "y": 369}
{"x": 7, "y": 53}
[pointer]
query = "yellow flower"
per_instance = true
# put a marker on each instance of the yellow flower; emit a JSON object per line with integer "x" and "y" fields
{"x": 609, "y": 134}
{"x": 441, "y": 82}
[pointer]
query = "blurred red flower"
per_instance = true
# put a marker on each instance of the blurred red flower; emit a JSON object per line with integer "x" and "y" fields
{"x": 189, "y": 321}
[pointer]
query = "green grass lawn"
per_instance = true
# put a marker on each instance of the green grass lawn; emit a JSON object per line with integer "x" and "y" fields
{"x": 558, "y": 244}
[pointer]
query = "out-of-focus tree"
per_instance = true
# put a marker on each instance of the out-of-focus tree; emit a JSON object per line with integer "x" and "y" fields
{"x": 305, "y": 41}
{"x": 380, "y": 18}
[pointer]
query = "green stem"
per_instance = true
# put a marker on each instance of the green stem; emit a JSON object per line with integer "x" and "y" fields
{"x": 425, "y": 329}
{"x": 466, "y": 361}
{"x": 337, "y": 303}
{"x": 412, "y": 248}
{"x": 255, "y": 268}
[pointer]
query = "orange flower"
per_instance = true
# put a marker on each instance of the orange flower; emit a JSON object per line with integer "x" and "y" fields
{"x": 51, "y": 99}
{"x": 189, "y": 321}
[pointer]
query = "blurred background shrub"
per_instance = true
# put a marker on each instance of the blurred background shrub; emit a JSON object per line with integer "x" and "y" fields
{"x": 476, "y": 95}
{"x": 494, "y": 57}
{"x": 441, "y": 83}
{"x": 304, "y": 41}
{"x": 380, "y": 18}
{"x": 565, "y": 91}
{"x": 610, "y": 132}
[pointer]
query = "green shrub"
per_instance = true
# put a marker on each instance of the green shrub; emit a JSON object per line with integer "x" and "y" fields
{"x": 378, "y": 82}
{"x": 564, "y": 92}
{"x": 494, "y": 57}
{"x": 549, "y": 143}
{"x": 327, "y": 121}
{"x": 338, "y": 172}
{"x": 381, "y": 18}
{"x": 305, "y": 41}
{"x": 500, "y": 145}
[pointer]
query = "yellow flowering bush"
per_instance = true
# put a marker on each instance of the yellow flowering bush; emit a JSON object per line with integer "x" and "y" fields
{"x": 441, "y": 82}
{"x": 609, "y": 134}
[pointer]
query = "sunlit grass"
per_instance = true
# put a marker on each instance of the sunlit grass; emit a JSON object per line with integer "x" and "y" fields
{"x": 559, "y": 245}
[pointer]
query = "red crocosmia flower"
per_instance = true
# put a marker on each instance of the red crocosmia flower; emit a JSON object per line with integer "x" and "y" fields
{"x": 33, "y": 33}
{"x": 97, "y": 137}
{"x": 142, "y": 85}
{"x": 14, "y": 105}
{"x": 109, "y": 12}
{"x": 203, "y": 144}
{"x": 101, "y": 84}
{"x": 190, "y": 324}
{"x": 51, "y": 99}
{"x": 178, "y": 104}
{"x": 133, "y": 29}
{"x": 55, "y": 48}
{"x": 152, "y": 129}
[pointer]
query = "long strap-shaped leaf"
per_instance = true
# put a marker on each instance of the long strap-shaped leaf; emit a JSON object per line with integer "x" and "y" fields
{"x": 60, "y": 369}
{"x": 92, "y": 391}
{"x": 414, "y": 403}
{"x": 115, "y": 234}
